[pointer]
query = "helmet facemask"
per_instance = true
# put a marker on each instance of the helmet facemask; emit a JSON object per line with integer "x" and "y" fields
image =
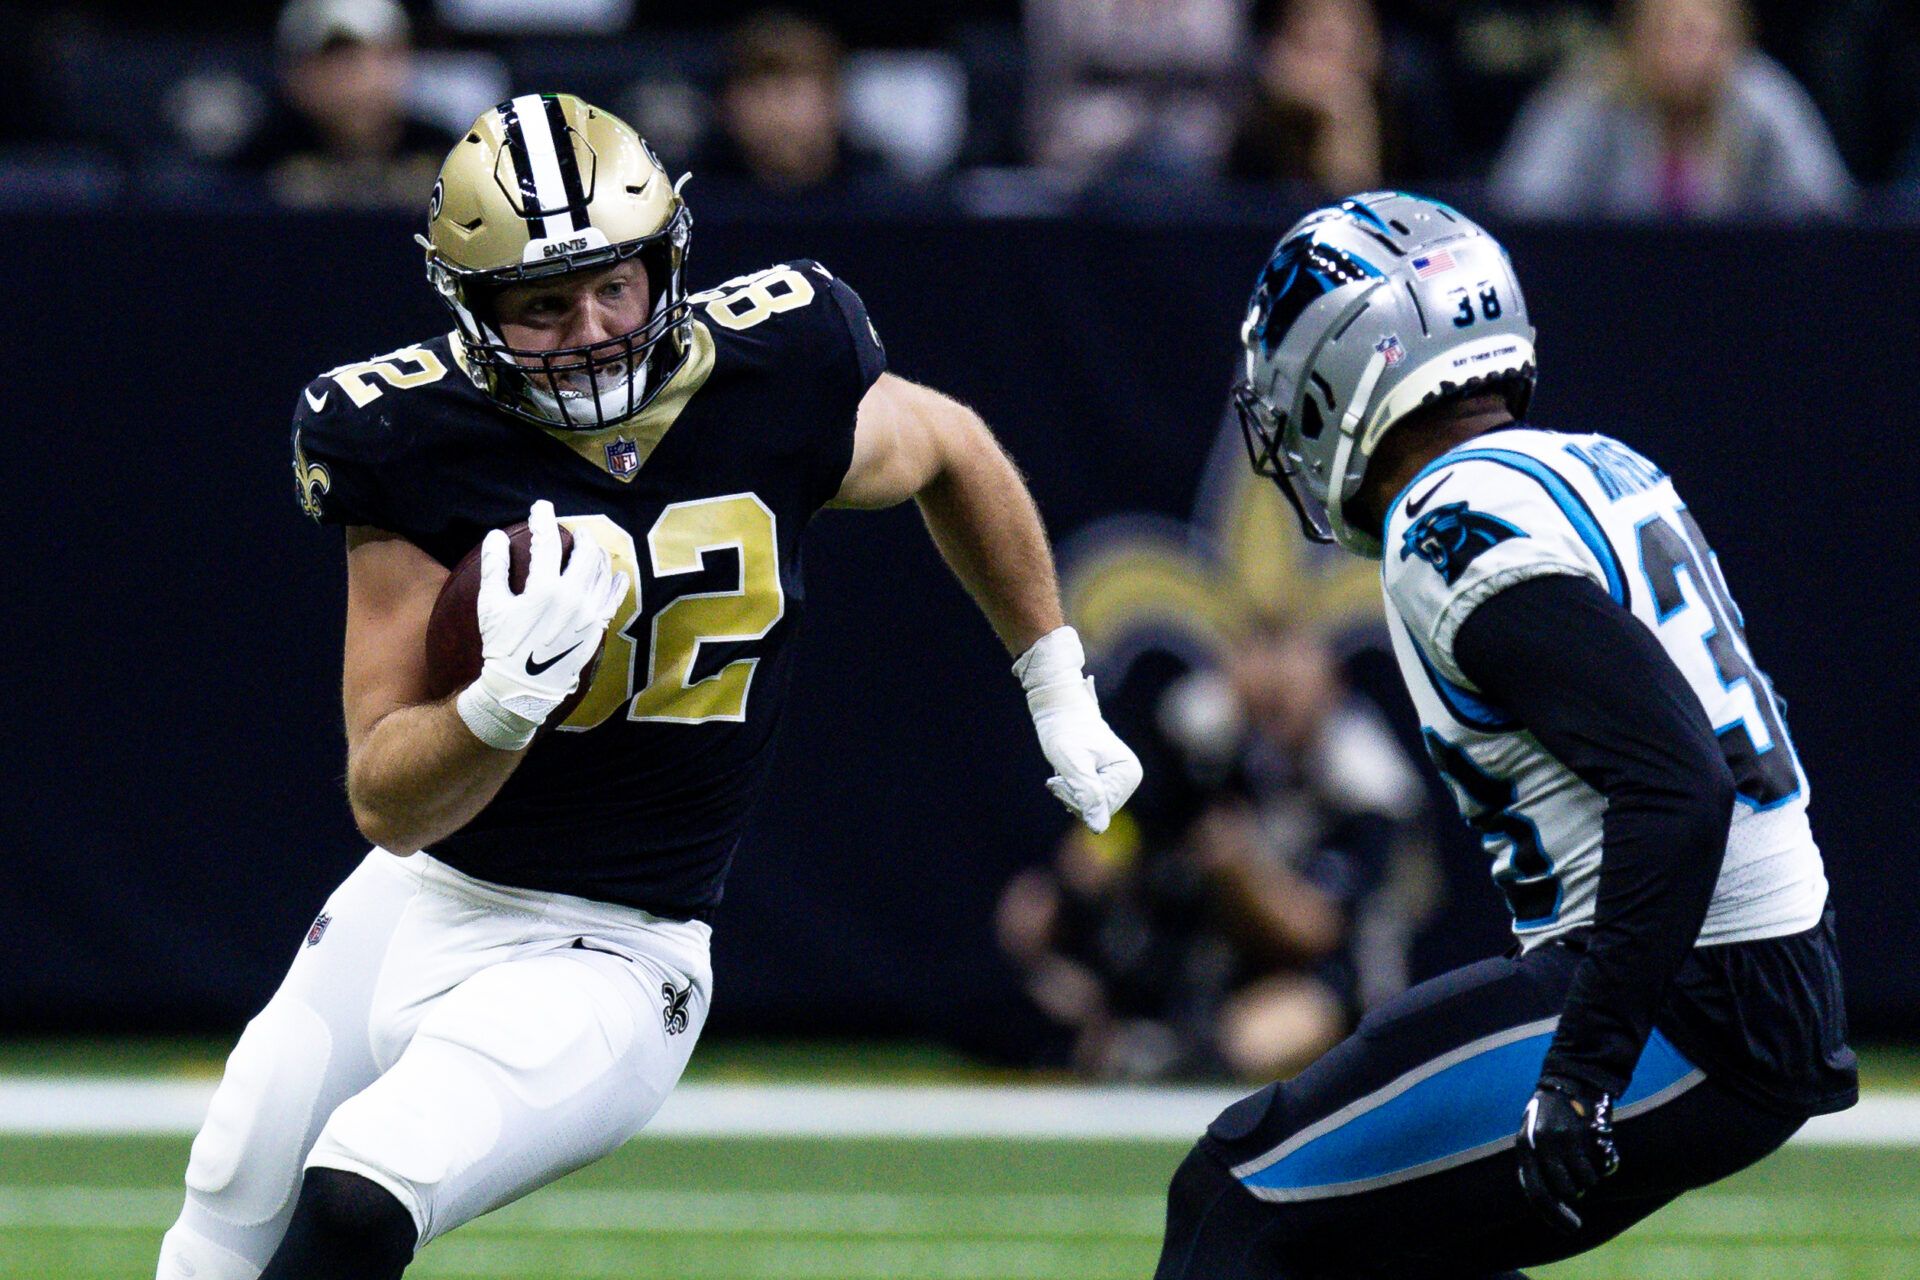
{"x": 1264, "y": 429}
{"x": 579, "y": 388}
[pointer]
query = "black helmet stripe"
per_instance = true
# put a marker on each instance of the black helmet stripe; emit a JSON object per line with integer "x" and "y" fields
{"x": 522, "y": 167}
{"x": 533, "y": 142}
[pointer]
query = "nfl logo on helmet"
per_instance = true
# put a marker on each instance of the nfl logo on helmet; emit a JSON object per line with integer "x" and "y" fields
{"x": 623, "y": 457}
{"x": 1390, "y": 349}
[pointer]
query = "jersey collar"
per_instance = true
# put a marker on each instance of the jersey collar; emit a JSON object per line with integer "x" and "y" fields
{"x": 634, "y": 440}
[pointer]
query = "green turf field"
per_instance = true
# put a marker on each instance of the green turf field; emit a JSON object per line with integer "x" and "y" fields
{"x": 74, "y": 1209}
{"x": 895, "y": 1209}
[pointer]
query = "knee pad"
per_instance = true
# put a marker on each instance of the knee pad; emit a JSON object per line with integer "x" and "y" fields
{"x": 185, "y": 1254}
{"x": 408, "y": 1134}
{"x": 1195, "y": 1185}
{"x": 245, "y": 1164}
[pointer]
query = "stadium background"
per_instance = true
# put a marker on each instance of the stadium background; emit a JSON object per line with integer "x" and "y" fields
{"x": 175, "y": 813}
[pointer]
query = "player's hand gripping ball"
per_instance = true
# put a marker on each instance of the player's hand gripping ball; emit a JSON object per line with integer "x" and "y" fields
{"x": 518, "y": 627}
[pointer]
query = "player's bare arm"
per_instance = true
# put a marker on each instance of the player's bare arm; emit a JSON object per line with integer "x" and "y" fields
{"x": 420, "y": 768}
{"x": 414, "y": 770}
{"x": 912, "y": 442}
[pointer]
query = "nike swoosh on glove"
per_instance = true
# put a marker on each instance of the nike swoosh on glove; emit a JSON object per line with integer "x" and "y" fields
{"x": 1094, "y": 772}
{"x": 535, "y": 642}
{"x": 1566, "y": 1147}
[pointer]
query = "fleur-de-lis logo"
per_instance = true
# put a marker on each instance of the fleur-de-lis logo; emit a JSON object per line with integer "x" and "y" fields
{"x": 676, "y": 1010}
{"x": 312, "y": 479}
{"x": 1205, "y": 583}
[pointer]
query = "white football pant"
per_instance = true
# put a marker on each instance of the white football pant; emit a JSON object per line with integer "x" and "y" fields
{"x": 458, "y": 1042}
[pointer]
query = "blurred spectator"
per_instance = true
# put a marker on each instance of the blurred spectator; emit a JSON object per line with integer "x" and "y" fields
{"x": 1256, "y": 895}
{"x": 1140, "y": 82}
{"x": 1686, "y": 118}
{"x": 1324, "y": 111}
{"x": 341, "y": 133}
{"x": 782, "y": 116}
{"x": 1487, "y": 57}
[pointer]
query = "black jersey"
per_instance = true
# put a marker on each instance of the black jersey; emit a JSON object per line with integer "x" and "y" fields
{"x": 640, "y": 796}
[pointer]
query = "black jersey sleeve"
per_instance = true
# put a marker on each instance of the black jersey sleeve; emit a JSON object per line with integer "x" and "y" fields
{"x": 1616, "y": 711}
{"x": 855, "y": 359}
{"x": 336, "y": 458}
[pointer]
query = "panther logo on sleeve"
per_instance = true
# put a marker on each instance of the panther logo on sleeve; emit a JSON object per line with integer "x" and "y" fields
{"x": 1452, "y": 537}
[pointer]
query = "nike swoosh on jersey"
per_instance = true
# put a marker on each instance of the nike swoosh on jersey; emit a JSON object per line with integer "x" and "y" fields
{"x": 535, "y": 668}
{"x": 1416, "y": 505}
{"x": 317, "y": 403}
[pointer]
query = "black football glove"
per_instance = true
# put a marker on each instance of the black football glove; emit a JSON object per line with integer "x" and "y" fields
{"x": 1566, "y": 1147}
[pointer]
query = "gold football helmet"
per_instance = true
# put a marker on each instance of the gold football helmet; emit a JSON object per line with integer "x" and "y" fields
{"x": 542, "y": 185}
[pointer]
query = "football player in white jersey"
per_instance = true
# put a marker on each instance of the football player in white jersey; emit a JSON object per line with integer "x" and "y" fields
{"x": 1671, "y": 1011}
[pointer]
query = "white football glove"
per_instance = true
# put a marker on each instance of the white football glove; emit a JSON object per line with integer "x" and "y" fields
{"x": 1094, "y": 772}
{"x": 533, "y": 644}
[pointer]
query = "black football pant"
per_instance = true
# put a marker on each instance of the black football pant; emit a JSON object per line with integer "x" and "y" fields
{"x": 1393, "y": 1156}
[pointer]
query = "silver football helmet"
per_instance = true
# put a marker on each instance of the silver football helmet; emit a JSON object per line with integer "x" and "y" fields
{"x": 1367, "y": 310}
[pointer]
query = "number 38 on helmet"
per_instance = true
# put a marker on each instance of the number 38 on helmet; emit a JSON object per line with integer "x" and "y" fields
{"x": 542, "y": 185}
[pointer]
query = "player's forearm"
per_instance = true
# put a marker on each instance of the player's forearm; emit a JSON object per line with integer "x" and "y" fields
{"x": 1660, "y": 858}
{"x": 1620, "y": 716}
{"x": 420, "y": 775}
{"x": 984, "y": 521}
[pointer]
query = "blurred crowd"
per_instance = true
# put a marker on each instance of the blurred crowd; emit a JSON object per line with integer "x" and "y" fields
{"x": 1556, "y": 108}
{"x": 1259, "y": 893}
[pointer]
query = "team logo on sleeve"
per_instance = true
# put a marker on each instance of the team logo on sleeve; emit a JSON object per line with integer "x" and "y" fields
{"x": 312, "y": 478}
{"x": 1452, "y": 537}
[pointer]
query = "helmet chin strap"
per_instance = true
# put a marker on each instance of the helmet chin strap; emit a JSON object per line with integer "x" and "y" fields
{"x": 1349, "y": 425}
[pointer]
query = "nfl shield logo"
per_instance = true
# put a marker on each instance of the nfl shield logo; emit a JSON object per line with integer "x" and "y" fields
{"x": 319, "y": 929}
{"x": 1389, "y": 347}
{"x": 623, "y": 457}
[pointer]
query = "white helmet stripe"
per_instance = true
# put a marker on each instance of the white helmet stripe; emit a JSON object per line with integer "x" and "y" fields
{"x": 543, "y": 158}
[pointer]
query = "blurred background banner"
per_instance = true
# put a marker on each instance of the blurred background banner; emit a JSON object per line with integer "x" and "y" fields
{"x": 175, "y": 813}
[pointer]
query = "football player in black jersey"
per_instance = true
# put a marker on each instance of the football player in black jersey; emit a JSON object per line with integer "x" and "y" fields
{"x": 517, "y": 991}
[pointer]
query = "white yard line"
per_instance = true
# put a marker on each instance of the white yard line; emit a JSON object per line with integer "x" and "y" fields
{"x": 567, "y": 1211}
{"x": 47, "y": 1105}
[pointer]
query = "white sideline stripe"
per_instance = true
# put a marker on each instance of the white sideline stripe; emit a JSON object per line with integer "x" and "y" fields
{"x": 565, "y": 1211}
{"x": 93, "y": 1105}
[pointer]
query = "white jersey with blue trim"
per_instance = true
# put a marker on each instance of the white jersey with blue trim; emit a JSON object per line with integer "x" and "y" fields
{"x": 1521, "y": 503}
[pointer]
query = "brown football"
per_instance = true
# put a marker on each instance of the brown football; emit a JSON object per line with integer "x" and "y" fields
{"x": 453, "y": 630}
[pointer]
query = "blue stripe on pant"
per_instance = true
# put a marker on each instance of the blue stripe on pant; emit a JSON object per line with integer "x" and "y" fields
{"x": 1458, "y": 1107}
